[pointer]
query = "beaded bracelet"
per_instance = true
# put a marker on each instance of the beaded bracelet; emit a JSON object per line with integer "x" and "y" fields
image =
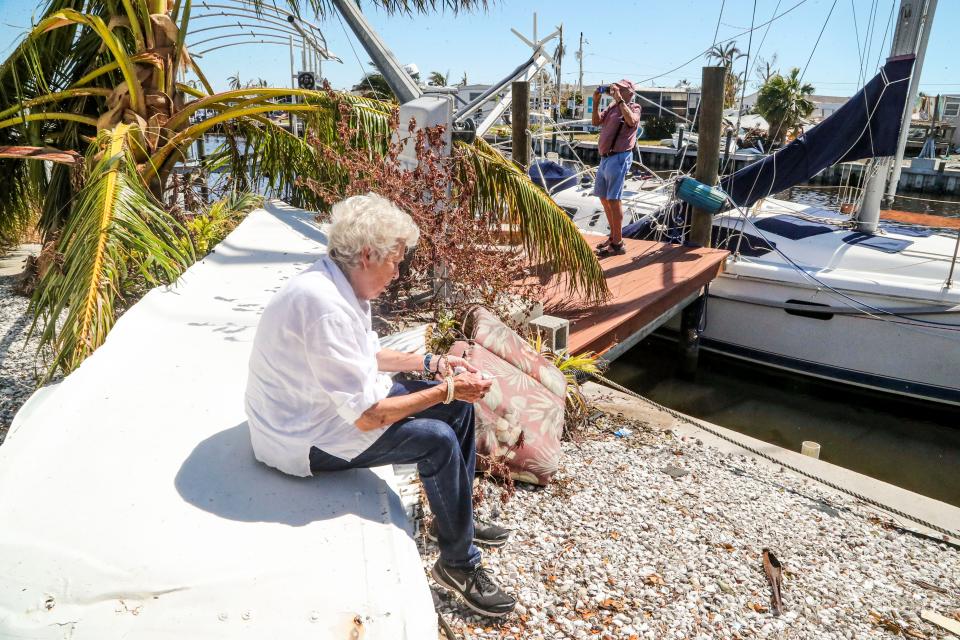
{"x": 450, "y": 390}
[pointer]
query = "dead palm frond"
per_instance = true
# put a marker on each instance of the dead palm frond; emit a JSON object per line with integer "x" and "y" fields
{"x": 505, "y": 194}
{"x": 116, "y": 228}
{"x": 574, "y": 369}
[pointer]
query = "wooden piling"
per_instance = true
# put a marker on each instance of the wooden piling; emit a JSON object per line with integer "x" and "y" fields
{"x": 708, "y": 160}
{"x": 519, "y": 119}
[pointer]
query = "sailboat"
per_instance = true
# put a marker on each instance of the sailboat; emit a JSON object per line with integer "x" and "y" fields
{"x": 806, "y": 289}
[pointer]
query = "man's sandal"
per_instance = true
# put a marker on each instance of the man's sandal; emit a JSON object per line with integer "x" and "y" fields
{"x": 610, "y": 249}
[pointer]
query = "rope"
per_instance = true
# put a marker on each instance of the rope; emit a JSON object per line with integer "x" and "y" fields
{"x": 817, "y": 43}
{"x": 700, "y": 425}
{"x": 366, "y": 75}
{"x": 884, "y": 315}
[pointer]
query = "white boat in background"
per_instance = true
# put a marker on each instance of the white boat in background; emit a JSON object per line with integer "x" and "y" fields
{"x": 804, "y": 292}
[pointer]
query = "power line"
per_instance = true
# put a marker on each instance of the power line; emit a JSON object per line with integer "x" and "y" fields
{"x": 730, "y": 39}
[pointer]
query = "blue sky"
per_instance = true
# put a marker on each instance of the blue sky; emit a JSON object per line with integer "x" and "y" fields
{"x": 638, "y": 40}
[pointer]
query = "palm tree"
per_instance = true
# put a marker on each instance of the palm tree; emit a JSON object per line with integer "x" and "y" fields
{"x": 463, "y": 80}
{"x": 437, "y": 79}
{"x": 92, "y": 90}
{"x": 726, "y": 55}
{"x": 373, "y": 85}
{"x": 783, "y": 102}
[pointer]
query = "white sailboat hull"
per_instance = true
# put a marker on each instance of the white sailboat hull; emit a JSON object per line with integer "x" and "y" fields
{"x": 748, "y": 320}
{"x": 823, "y": 306}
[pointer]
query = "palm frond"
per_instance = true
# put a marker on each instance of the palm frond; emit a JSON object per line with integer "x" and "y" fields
{"x": 325, "y": 8}
{"x": 286, "y": 161}
{"x": 116, "y": 228}
{"x": 45, "y": 64}
{"x": 220, "y": 218}
{"x": 503, "y": 193}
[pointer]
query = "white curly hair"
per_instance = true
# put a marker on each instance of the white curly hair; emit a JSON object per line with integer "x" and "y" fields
{"x": 368, "y": 221}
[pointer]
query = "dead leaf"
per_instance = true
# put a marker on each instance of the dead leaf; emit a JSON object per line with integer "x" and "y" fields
{"x": 759, "y": 608}
{"x": 886, "y": 623}
{"x": 914, "y": 633}
{"x": 612, "y": 604}
{"x": 655, "y": 579}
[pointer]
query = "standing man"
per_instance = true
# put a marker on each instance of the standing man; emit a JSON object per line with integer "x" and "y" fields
{"x": 618, "y": 136}
{"x": 317, "y": 401}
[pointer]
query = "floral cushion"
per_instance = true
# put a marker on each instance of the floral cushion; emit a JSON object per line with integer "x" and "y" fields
{"x": 527, "y": 397}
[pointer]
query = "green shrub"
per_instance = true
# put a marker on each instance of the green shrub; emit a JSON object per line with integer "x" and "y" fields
{"x": 657, "y": 127}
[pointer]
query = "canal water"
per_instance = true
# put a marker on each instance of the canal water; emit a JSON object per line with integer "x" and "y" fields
{"x": 829, "y": 198}
{"x": 912, "y": 445}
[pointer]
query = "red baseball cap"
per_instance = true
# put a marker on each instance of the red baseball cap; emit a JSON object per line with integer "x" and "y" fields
{"x": 625, "y": 84}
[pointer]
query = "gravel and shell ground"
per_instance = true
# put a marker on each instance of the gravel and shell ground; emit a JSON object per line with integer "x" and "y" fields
{"x": 20, "y": 369}
{"x": 656, "y": 535}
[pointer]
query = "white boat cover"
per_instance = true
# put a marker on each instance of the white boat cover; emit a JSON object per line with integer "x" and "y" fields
{"x": 131, "y": 505}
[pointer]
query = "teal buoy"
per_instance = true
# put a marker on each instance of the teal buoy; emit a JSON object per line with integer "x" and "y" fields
{"x": 701, "y": 196}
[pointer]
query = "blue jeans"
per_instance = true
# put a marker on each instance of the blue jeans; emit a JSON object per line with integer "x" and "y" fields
{"x": 441, "y": 441}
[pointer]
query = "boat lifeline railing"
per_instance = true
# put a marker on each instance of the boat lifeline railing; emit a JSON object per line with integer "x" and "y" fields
{"x": 953, "y": 263}
{"x": 553, "y": 128}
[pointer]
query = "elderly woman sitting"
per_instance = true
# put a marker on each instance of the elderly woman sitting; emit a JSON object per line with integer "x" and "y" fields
{"x": 317, "y": 401}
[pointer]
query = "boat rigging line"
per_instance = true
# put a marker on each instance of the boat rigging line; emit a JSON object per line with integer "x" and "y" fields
{"x": 869, "y": 310}
{"x": 817, "y": 43}
{"x": 730, "y": 39}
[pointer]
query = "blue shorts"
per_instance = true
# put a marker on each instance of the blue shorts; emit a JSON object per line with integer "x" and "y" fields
{"x": 611, "y": 174}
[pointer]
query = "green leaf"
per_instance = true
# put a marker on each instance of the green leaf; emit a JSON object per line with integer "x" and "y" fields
{"x": 504, "y": 193}
{"x": 116, "y": 228}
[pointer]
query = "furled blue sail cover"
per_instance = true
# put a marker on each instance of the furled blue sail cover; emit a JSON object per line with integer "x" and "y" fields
{"x": 866, "y": 126}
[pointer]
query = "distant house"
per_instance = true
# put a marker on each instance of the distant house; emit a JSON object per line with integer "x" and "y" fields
{"x": 668, "y": 102}
{"x": 950, "y": 113}
{"x": 468, "y": 93}
{"x": 823, "y": 106}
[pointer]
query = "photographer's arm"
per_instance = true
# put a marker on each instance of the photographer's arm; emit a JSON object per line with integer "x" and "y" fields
{"x": 595, "y": 115}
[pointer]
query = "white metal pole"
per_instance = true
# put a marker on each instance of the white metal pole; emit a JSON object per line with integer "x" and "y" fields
{"x": 293, "y": 85}
{"x": 926, "y": 22}
{"x": 906, "y": 40}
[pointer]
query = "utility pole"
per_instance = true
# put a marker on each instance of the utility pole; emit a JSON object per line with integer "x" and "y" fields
{"x": 910, "y": 37}
{"x": 520, "y": 114}
{"x": 708, "y": 159}
{"x": 583, "y": 102}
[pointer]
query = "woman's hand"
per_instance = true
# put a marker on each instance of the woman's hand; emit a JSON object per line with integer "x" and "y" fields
{"x": 470, "y": 387}
{"x": 446, "y": 365}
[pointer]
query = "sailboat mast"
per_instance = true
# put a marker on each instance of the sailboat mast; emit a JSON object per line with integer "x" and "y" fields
{"x": 926, "y": 22}
{"x": 909, "y": 38}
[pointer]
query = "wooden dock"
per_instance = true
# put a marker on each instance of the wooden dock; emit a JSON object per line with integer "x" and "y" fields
{"x": 649, "y": 284}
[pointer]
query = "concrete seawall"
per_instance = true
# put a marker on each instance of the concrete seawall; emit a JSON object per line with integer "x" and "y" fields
{"x": 933, "y": 511}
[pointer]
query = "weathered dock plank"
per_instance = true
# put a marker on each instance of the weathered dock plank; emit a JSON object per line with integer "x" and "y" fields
{"x": 648, "y": 281}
